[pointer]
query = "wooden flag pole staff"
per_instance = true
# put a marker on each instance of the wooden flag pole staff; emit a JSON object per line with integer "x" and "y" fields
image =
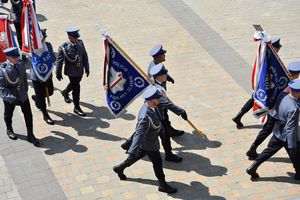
{"x": 282, "y": 64}
{"x": 104, "y": 32}
{"x": 47, "y": 96}
{"x": 125, "y": 55}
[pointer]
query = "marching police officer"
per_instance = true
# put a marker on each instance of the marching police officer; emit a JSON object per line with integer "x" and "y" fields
{"x": 40, "y": 87}
{"x": 17, "y": 7}
{"x": 249, "y": 104}
{"x": 294, "y": 70}
{"x": 145, "y": 140}
{"x": 159, "y": 74}
{"x": 158, "y": 54}
{"x": 13, "y": 91}
{"x": 75, "y": 57}
{"x": 285, "y": 132}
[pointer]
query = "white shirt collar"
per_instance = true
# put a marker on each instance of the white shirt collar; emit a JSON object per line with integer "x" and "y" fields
{"x": 158, "y": 81}
{"x": 293, "y": 97}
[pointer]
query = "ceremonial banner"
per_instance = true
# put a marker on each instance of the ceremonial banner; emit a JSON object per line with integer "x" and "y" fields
{"x": 122, "y": 78}
{"x": 31, "y": 35}
{"x": 41, "y": 61}
{"x": 7, "y": 38}
{"x": 269, "y": 79}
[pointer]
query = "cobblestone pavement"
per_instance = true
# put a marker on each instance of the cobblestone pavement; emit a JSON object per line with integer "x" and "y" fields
{"x": 210, "y": 53}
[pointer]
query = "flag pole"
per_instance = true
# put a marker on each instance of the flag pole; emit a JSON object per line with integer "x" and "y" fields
{"x": 125, "y": 55}
{"x": 47, "y": 96}
{"x": 105, "y": 34}
{"x": 260, "y": 29}
{"x": 282, "y": 64}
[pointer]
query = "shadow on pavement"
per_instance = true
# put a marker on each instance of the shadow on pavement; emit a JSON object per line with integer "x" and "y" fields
{"x": 283, "y": 179}
{"x": 255, "y": 126}
{"x": 190, "y": 141}
{"x": 61, "y": 144}
{"x": 197, "y": 163}
{"x": 280, "y": 159}
{"x": 85, "y": 126}
{"x": 41, "y": 18}
{"x": 104, "y": 113}
{"x": 195, "y": 190}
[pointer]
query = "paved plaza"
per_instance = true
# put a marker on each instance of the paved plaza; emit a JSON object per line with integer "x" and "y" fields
{"x": 210, "y": 53}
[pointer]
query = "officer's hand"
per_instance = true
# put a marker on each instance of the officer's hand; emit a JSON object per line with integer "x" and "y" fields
{"x": 184, "y": 115}
{"x": 105, "y": 87}
{"x": 59, "y": 77}
{"x": 293, "y": 153}
{"x": 87, "y": 73}
{"x": 170, "y": 79}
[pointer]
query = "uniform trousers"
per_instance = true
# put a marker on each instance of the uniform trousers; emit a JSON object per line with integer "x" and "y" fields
{"x": 40, "y": 92}
{"x": 165, "y": 135}
{"x": 74, "y": 86}
{"x": 18, "y": 31}
{"x": 26, "y": 109}
{"x": 247, "y": 106}
{"x": 273, "y": 147}
{"x": 266, "y": 131}
{"x": 154, "y": 157}
{"x": 297, "y": 159}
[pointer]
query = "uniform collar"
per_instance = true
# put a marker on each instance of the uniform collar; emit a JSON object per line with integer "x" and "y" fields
{"x": 9, "y": 62}
{"x": 158, "y": 82}
{"x": 293, "y": 97}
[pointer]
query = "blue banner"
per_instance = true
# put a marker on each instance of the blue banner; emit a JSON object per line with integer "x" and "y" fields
{"x": 273, "y": 79}
{"x": 124, "y": 81}
{"x": 42, "y": 65}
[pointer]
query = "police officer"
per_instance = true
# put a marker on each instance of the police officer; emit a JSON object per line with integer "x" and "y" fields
{"x": 294, "y": 70}
{"x": 285, "y": 132}
{"x": 17, "y": 6}
{"x": 75, "y": 57}
{"x": 158, "y": 54}
{"x": 159, "y": 74}
{"x": 40, "y": 87}
{"x": 249, "y": 104}
{"x": 145, "y": 140}
{"x": 13, "y": 88}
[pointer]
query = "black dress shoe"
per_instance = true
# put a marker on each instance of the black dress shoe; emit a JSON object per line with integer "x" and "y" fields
{"x": 252, "y": 173}
{"x": 120, "y": 172}
{"x": 33, "y": 140}
{"x": 49, "y": 121}
{"x": 11, "y": 135}
{"x": 66, "y": 97}
{"x": 164, "y": 187}
{"x": 167, "y": 189}
{"x": 239, "y": 124}
{"x": 79, "y": 112}
{"x": 173, "y": 158}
